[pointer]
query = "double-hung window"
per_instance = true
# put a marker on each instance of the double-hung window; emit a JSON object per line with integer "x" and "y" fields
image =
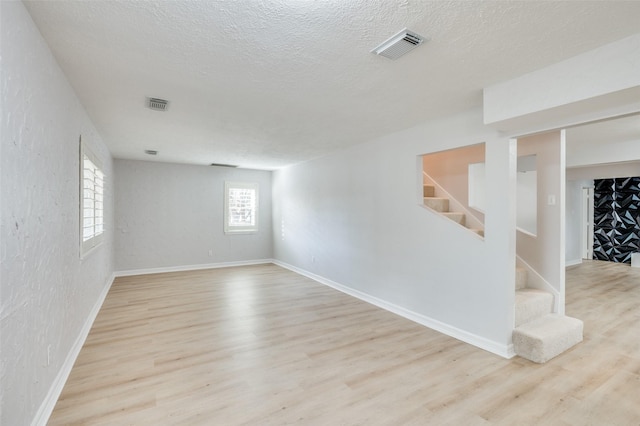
{"x": 91, "y": 200}
{"x": 240, "y": 207}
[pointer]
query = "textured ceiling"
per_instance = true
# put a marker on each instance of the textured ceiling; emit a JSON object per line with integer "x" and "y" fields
{"x": 267, "y": 83}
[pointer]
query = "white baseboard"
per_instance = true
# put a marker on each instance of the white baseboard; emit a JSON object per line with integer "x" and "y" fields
{"x": 47, "y": 406}
{"x": 505, "y": 351}
{"x": 572, "y": 262}
{"x": 191, "y": 267}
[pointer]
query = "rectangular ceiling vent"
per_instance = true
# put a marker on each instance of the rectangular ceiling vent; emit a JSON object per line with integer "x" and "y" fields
{"x": 398, "y": 45}
{"x": 157, "y": 104}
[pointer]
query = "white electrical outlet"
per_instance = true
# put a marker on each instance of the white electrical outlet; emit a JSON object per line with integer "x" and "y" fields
{"x": 210, "y": 253}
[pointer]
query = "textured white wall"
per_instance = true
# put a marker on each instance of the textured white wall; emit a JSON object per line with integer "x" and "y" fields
{"x": 171, "y": 215}
{"x": 354, "y": 218}
{"x": 47, "y": 292}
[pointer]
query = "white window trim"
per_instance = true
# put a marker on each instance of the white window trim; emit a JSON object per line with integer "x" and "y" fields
{"x": 87, "y": 246}
{"x": 228, "y": 229}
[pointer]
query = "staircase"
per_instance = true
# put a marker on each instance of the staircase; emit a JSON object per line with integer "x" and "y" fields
{"x": 441, "y": 205}
{"x": 539, "y": 334}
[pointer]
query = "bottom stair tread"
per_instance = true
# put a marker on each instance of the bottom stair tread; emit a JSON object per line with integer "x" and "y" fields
{"x": 546, "y": 337}
{"x": 531, "y": 304}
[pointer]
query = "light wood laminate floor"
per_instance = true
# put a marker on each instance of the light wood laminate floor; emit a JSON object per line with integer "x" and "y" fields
{"x": 261, "y": 345}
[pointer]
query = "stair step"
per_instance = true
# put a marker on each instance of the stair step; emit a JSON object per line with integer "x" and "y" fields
{"x": 532, "y": 304}
{"x": 437, "y": 204}
{"x": 456, "y": 217}
{"x": 429, "y": 191}
{"x": 547, "y": 337}
{"x": 521, "y": 278}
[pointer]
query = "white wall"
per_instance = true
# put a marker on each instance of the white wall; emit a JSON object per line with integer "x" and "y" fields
{"x": 450, "y": 169}
{"x": 47, "y": 293}
{"x": 574, "y": 220}
{"x": 545, "y": 252}
{"x": 600, "y": 83}
{"x": 171, "y": 215}
{"x": 354, "y": 218}
{"x": 604, "y": 153}
{"x": 604, "y": 171}
{"x": 527, "y": 202}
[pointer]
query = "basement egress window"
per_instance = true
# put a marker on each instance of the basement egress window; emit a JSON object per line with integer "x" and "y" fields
{"x": 240, "y": 207}
{"x": 91, "y": 200}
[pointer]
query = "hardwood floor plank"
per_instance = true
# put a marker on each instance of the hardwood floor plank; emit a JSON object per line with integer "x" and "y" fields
{"x": 260, "y": 345}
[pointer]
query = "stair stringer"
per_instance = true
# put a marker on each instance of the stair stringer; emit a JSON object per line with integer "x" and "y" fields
{"x": 535, "y": 280}
{"x": 454, "y": 205}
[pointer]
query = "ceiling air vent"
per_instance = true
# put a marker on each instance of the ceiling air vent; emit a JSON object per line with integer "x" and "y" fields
{"x": 223, "y": 165}
{"x": 401, "y": 43}
{"x": 157, "y": 104}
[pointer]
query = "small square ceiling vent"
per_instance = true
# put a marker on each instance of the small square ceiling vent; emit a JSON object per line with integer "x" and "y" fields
{"x": 398, "y": 45}
{"x": 157, "y": 104}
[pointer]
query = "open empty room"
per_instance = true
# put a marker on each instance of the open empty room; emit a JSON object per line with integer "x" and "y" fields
{"x": 263, "y": 345}
{"x": 220, "y": 213}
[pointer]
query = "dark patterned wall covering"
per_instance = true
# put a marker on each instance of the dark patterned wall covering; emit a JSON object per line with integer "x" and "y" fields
{"x": 616, "y": 219}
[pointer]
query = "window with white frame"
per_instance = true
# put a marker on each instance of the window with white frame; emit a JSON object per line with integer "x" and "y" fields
{"x": 91, "y": 200}
{"x": 240, "y": 207}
